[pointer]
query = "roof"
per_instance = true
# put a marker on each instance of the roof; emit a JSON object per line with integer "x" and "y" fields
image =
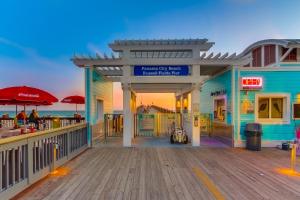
{"x": 282, "y": 42}
{"x": 119, "y": 45}
{"x": 160, "y": 42}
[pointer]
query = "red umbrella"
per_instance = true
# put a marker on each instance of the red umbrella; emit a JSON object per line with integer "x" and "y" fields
{"x": 23, "y": 95}
{"x": 74, "y": 100}
{"x": 26, "y": 95}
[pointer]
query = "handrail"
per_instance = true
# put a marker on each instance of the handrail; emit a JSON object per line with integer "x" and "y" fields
{"x": 41, "y": 133}
{"x": 27, "y": 158}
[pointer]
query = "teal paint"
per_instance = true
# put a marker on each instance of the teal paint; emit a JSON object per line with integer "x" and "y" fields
{"x": 290, "y": 65}
{"x": 274, "y": 82}
{"x": 97, "y": 77}
{"x": 218, "y": 83}
{"x": 236, "y": 106}
{"x": 101, "y": 90}
{"x": 88, "y": 104}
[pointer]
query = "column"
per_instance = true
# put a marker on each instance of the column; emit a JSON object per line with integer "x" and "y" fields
{"x": 181, "y": 111}
{"x": 128, "y": 120}
{"x": 133, "y": 111}
{"x": 88, "y": 99}
{"x": 195, "y": 115}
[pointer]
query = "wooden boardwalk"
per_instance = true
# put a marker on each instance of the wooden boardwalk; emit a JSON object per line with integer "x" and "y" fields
{"x": 171, "y": 173}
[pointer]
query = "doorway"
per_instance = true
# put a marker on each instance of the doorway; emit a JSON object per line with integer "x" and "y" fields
{"x": 100, "y": 110}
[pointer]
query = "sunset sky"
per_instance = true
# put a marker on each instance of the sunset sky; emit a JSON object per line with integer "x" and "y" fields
{"x": 38, "y": 38}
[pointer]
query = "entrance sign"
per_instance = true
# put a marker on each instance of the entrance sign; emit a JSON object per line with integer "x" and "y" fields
{"x": 252, "y": 83}
{"x": 161, "y": 70}
{"x": 146, "y": 122}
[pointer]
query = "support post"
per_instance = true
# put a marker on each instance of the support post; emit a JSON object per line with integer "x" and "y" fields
{"x": 127, "y": 135}
{"x": 195, "y": 115}
{"x": 88, "y": 98}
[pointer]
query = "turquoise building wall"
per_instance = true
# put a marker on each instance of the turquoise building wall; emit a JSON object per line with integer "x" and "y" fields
{"x": 218, "y": 83}
{"x": 96, "y": 88}
{"x": 101, "y": 90}
{"x": 274, "y": 82}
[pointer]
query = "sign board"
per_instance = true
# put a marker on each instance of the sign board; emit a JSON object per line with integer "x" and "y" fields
{"x": 146, "y": 122}
{"x": 161, "y": 70}
{"x": 251, "y": 83}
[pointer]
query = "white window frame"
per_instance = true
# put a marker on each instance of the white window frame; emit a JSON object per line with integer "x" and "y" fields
{"x": 286, "y": 108}
{"x": 225, "y": 99}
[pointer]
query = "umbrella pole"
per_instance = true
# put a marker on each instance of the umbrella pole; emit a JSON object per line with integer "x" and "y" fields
{"x": 25, "y": 114}
{"x": 76, "y": 108}
{"x": 16, "y": 110}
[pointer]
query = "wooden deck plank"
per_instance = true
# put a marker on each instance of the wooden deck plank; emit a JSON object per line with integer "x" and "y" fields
{"x": 167, "y": 173}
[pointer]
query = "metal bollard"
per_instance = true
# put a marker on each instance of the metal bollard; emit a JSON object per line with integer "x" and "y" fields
{"x": 293, "y": 157}
{"x": 54, "y": 157}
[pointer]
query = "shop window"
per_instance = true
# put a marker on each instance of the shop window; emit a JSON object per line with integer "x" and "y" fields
{"x": 272, "y": 109}
{"x": 292, "y": 55}
{"x": 220, "y": 109}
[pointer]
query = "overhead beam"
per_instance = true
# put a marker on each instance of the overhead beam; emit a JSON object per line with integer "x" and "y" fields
{"x": 286, "y": 54}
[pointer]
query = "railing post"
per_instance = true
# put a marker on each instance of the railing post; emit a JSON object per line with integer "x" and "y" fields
{"x": 29, "y": 162}
{"x": 69, "y": 144}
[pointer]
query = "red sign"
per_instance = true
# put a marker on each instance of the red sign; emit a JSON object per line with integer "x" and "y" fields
{"x": 252, "y": 83}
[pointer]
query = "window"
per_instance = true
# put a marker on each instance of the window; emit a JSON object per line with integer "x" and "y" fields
{"x": 272, "y": 108}
{"x": 292, "y": 55}
{"x": 296, "y": 111}
{"x": 269, "y": 51}
{"x": 256, "y": 55}
{"x": 220, "y": 109}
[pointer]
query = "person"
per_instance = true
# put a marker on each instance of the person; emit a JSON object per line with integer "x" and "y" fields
{"x": 21, "y": 117}
{"x": 77, "y": 117}
{"x": 34, "y": 118}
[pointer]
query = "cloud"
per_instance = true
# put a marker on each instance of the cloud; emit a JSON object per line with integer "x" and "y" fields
{"x": 56, "y": 75}
{"x": 32, "y": 54}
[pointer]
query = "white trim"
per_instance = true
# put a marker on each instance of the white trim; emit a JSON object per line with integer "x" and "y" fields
{"x": 225, "y": 102}
{"x": 286, "y": 108}
{"x": 271, "y": 68}
{"x": 232, "y": 97}
{"x": 239, "y": 107}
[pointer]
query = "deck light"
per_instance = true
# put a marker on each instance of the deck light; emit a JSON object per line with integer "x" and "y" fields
{"x": 292, "y": 170}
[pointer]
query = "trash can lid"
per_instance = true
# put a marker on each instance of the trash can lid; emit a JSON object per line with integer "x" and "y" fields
{"x": 253, "y": 127}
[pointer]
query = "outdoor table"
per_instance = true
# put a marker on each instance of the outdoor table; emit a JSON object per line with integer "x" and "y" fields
{"x": 7, "y": 132}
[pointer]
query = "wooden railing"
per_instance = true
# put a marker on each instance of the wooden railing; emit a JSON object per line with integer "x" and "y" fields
{"x": 27, "y": 158}
{"x": 98, "y": 131}
{"x": 45, "y": 122}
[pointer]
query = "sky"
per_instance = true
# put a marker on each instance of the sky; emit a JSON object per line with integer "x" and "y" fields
{"x": 38, "y": 38}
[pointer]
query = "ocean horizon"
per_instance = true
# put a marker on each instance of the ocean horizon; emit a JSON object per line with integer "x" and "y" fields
{"x": 45, "y": 113}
